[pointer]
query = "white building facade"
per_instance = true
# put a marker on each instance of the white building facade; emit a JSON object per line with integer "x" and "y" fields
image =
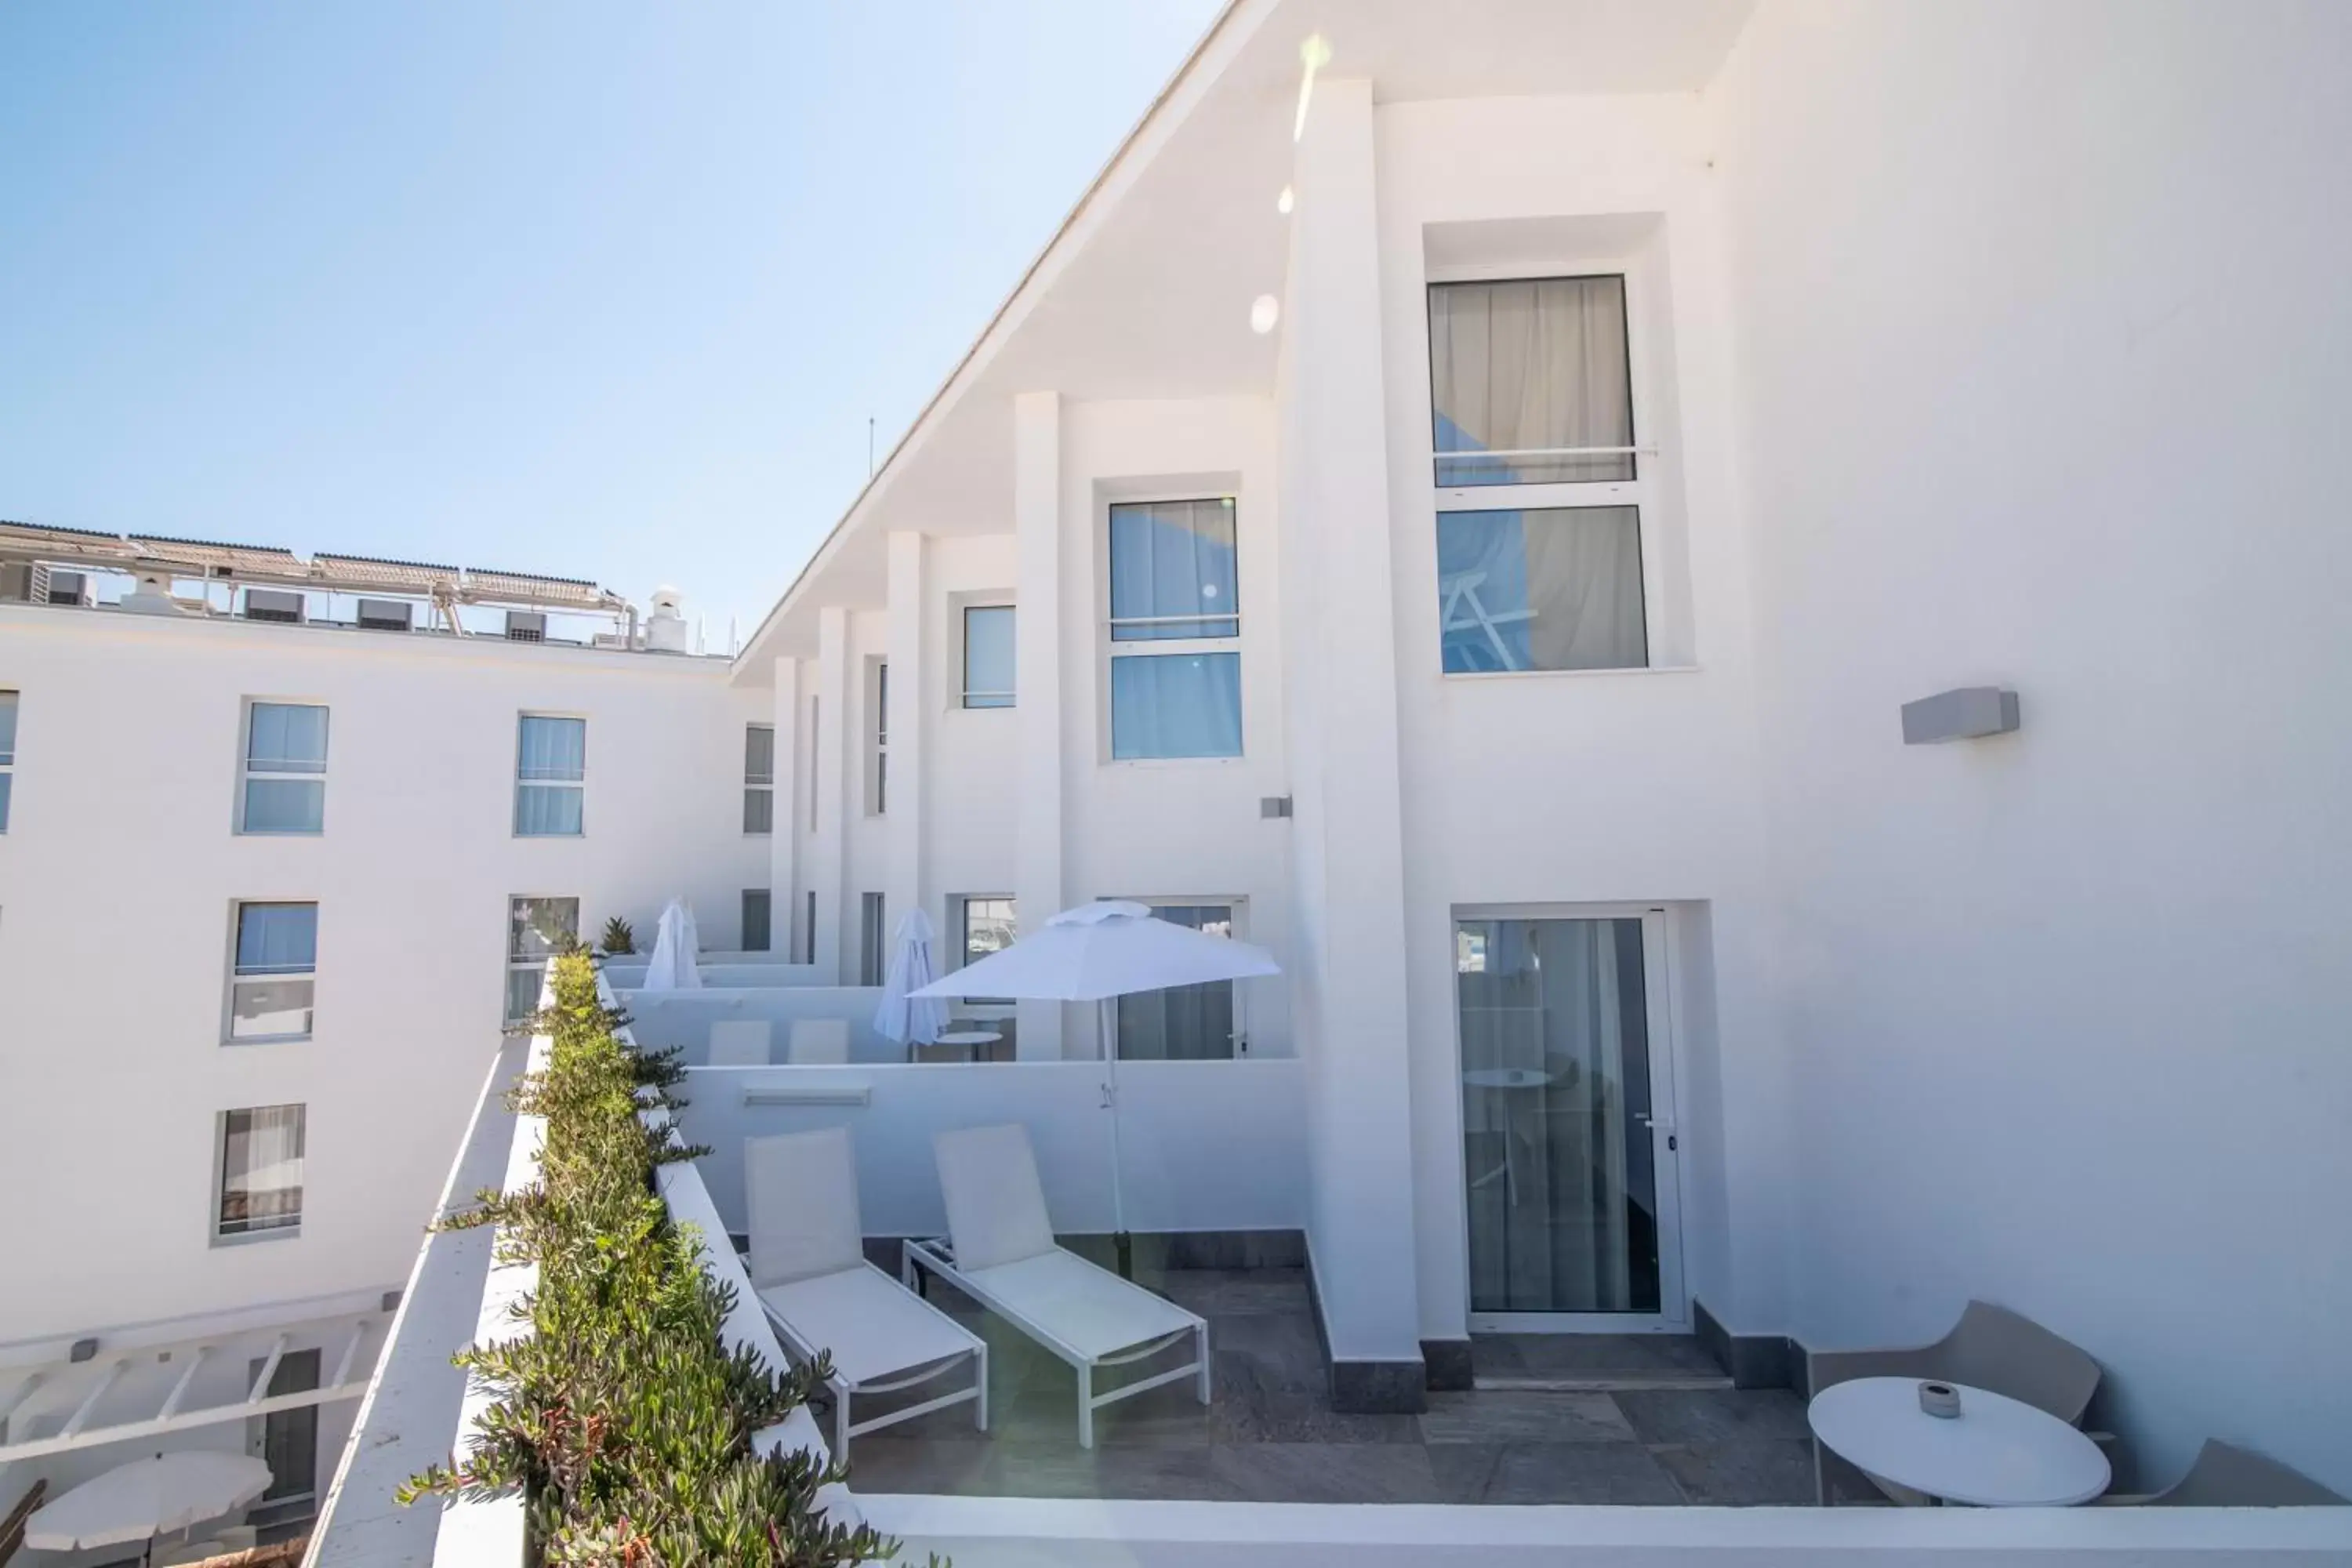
{"x": 1513, "y": 639}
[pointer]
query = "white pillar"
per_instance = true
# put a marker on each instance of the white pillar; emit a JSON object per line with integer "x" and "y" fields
{"x": 1037, "y": 678}
{"x": 1340, "y": 665}
{"x": 909, "y": 708}
{"x": 787, "y": 911}
{"x": 834, "y": 748}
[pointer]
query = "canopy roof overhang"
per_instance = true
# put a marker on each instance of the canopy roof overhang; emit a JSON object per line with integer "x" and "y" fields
{"x": 1145, "y": 289}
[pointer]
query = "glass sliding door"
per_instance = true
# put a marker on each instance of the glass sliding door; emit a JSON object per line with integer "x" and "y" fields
{"x": 1183, "y": 1023}
{"x": 1568, "y": 1138}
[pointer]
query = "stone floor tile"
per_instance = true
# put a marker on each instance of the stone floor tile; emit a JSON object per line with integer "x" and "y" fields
{"x": 1712, "y": 1415}
{"x": 1495, "y": 1416}
{"x": 1756, "y": 1471}
{"x": 1329, "y": 1472}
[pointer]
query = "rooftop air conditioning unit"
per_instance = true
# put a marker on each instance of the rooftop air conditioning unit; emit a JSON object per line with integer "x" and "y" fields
{"x": 25, "y": 582}
{"x": 387, "y": 615}
{"x": 526, "y": 625}
{"x": 72, "y": 588}
{"x": 273, "y": 605}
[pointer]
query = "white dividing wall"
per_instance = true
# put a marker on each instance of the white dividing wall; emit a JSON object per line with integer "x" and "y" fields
{"x": 1206, "y": 1145}
{"x": 118, "y": 870}
{"x": 1588, "y": 787}
{"x": 2047, "y": 351}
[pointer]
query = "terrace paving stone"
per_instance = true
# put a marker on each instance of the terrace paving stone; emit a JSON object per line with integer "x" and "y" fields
{"x": 1703, "y": 1417}
{"x": 1498, "y": 1415}
{"x": 1773, "y": 1472}
{"x": 1536, "y": 1473}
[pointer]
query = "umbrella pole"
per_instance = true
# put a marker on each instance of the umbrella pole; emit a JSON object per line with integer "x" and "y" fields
{"x": 1120, "y": 1240}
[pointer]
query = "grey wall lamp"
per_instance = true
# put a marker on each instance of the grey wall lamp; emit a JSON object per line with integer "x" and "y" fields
{"x": 1963, "y": 713}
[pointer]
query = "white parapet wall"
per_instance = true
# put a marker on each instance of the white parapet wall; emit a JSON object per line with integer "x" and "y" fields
{"x": 1211, "y": 1145}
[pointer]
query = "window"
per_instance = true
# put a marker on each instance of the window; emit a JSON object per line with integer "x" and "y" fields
{"x": 551, "y": 763}
{"x": 816, "y": 740}
{"x": 759, "y": 778}
{"x": 755, "y": 920}
{"x": 260, "y": 1172}
{"x": 285, "y": 768}
{"x": 1539, "y": 549}
{"x": 872, "y": 960}
{"x": 7, "y": 753}
{"x": 990, "y": 925}
{"x": 877, "y": 770}
{"x": 287, "y": 1440}
{"x": 274, "y": 972}
{"x": 536, "y": 929}
{"x": 1182, "y": 1023}
{"x": 1531, "y": 382}
{"x": 988, "y": 662}
{"x": 808, "y": 930}
{"x": 1172, "y": 581}
{"x": 1546, "y": 588}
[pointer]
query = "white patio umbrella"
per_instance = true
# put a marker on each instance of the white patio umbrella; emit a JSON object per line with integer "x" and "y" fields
{"x": 671, "y": 967}
{"x": 147, "y": 1498}
{"x": 1098, "y": 953}
{"x": 904, "y": 1017}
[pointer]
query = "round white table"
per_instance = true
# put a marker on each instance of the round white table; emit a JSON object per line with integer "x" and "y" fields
{"x": 1997, "y": 1453}
{"x": 972, "y": 1038}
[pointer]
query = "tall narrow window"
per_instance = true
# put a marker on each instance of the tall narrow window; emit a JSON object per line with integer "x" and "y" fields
{"x": 551, "y": 770}
{"x": 756, "y": 905}
{"x": 1539, "y": 563}
{"x": 877, "y": 772}
{"x": 759, "y": 778}
{"x": 988, "y": 662}
{"x": 808, "y": 929}
{"x": 7, "y": 753}
{"x": 815, "y": 745}
{"x": 536, "y": 930}
{"x": 1173, "y": 582}
{"x": 873, "y": 960}
{"x": 285, "y": 768}
{"x": 260, "y": 1187}
{"x": 275, "y": 972}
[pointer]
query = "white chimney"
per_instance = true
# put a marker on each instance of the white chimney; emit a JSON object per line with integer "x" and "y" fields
{"x": 666, "y": 627}
{"x": 151, "y": 597}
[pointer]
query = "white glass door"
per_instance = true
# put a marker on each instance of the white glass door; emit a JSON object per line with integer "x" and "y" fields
{"x": 1568, "y": 1141}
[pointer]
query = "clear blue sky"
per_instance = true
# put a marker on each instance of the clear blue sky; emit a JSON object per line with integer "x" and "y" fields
{"x": 598, "y": 288}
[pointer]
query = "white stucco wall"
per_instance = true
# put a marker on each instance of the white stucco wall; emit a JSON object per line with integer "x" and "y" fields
{"x": 117, "y": 875}
{"x": 2046, "y": 349}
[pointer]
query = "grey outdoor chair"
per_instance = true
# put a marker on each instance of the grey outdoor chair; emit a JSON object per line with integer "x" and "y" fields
{"x": 2226, "y": 1476}
{"x": 1990, "y": 1348}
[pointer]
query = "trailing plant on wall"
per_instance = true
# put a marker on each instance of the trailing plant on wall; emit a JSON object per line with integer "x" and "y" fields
{"x": 620, "y": 936}
{"x": 622, "y": 1417}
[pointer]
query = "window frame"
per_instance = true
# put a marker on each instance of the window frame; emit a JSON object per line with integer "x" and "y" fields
{"x": 767, "y": 920}
{"x": 1011, "y": 696}
{"x": 229, "y": 1034}
{"x": 1237, "y": 923}
{"x": 247, "y": 773}
{"x": 1110, "y": 648}
{"x": 218, "y": 1196}
{"x": 14, "y": 700}
{"x": 982, "y": 1006}
{"x": 515, "y": 963}
{"x": 761, "y": 786}
{"x": 1645, "y": 492}
{"x": 873, "y": 938}
{"x": 580, "y": 784}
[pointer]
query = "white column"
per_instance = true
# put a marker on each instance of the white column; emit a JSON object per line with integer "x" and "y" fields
{"x": 834, "y": 748}
{"x": 1037, "y": 678}
{"x": 1341, "y": 633}
{"x": 786, "y": 909}
{"x": 909, "y": 708}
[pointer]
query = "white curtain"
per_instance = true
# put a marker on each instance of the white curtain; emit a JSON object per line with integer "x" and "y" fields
{"x": 1176, "y": 705}
{"x": 1531, "y": 362}
{"x": 1549, "y": 588}
{"x": 1172, "y": 558}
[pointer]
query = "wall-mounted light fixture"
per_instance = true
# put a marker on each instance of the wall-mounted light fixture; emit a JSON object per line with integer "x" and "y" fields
{"x": 1963, "y": 713}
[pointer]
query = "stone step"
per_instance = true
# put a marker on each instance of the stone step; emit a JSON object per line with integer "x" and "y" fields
{"x": 1598, "y": 1381}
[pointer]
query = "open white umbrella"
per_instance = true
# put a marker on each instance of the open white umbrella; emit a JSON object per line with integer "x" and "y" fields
{"x": 1097, "y": 952}
{"x": 147, "y": 1498}
{"x": 905, "y": 1017}
{"x": 671, "y": 967}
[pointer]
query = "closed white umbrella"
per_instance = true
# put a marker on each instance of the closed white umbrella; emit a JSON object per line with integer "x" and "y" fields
{"x": 672, "y": 966}
{"x": 147, "y": 1498}
{"x": 905, "y": 1017}
{"x": 1097, "y": 952}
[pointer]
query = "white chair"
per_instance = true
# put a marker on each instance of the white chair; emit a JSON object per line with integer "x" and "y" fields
{"x": 808, "y": 1267}
{"x": 818, "y": 1042}
{"x": 738, "y": 1043}
{"x": 999, "y": 1251}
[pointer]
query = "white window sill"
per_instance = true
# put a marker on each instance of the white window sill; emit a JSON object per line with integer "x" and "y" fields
{"x": 555, "y": 835}
{"x": 1636, "y": 671}
{"x": 1149, "y": 763}
{"x": 281, "y": 833}
{"x": 254, "y": 1237}
{"x": 268, "y": 1040}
